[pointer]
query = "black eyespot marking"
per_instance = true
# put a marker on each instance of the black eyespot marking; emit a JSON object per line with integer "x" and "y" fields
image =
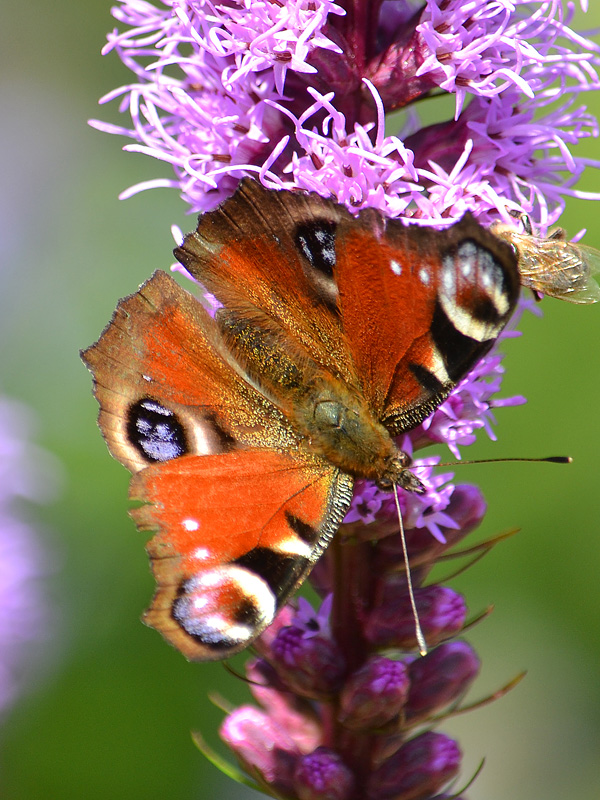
{"x": 214, "y": 638}
{"x": 223, "y": 608}
{"x": 459, "y": 352}
{"x": 247, "y": 613}
{"x": 302, "y": 529}
{"x": 426, "y": 378}
{"x": 316, "y": 242}
{"x": 485, "y": 310}
{"x": 155, "y": 431}
{"x": 280, "y": 572}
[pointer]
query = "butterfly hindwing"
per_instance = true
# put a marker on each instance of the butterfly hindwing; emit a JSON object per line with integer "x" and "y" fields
{"x": 238, "y": 532}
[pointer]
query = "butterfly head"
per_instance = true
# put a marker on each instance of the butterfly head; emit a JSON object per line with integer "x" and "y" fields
{"x": 397, "y": 473}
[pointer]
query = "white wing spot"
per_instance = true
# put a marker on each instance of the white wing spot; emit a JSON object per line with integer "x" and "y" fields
{"x": 449, "y": 281}
{"x": 437, "y": 366}
{"x": 424, "y": 277}
{"x": 201, "y": 553}
{"x": 190, "y": 524}
{"x": 396, "y": 267}
{"x": 294, "y": 546}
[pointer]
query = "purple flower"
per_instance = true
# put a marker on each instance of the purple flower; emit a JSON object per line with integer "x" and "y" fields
{"x": 262, "y": 745}
{"x": 375, "y": 694}
{"x": 296, "y": 94}
{"x": 417, "y": 770}
{"x": 25, "y": 474}
{"x": 223, "y": 91}
{"x": 322, "y": 775}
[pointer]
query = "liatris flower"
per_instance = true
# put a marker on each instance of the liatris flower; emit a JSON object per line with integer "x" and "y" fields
{"x": 295, "y": 93}
{"x": 25, "y": 474}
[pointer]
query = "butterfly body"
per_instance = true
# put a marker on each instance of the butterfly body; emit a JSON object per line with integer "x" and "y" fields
{"x": 244, "y": 431}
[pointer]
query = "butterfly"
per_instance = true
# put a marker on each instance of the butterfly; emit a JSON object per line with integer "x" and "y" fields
{"x": 553, "y": 266}
{"x": 245, "y": 430}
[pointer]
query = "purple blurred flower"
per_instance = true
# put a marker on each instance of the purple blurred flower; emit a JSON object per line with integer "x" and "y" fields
{"x": 296, "y": 94}
{"x": 25, "y": 475}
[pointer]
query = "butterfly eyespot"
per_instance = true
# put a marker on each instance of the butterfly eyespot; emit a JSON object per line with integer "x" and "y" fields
{"x": 474, "y": 295}
{"x": 224, "y": 608}
{"x": 316, "y": 242}
{"x": 155, "y": 431}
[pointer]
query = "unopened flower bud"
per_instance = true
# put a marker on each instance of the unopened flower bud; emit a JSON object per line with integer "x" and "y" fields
{"x": 374, "y": 694}
{"x": 322, "y": 775}
{"x": 442, "y": 613}
{"x": 417, "y": 770}
{"x": 442, "y": 676}
{"x": 310, "y": 665}
{"x": 261, "y": 745}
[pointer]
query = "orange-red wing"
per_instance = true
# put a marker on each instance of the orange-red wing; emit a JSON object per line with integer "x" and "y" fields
{"x": 162, "y": 347}
{"x": 250, "y": 253}
{"x": 238, "y": 532}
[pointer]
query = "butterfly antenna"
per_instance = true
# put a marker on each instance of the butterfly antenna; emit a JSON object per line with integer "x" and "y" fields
{"x": 418, "y": 631}
{"x": 547, "y": 460}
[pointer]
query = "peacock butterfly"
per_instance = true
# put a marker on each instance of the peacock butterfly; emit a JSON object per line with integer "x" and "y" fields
{"x": 244, "y": 431}
{"x": 553, "y": 266}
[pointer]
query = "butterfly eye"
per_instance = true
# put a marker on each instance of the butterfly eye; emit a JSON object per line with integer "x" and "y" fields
{"x": 155, "y": 431}
{"x": 329, "y": 414}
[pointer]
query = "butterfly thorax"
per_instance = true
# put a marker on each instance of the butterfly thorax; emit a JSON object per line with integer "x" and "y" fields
{"x": 333, "y": 418}
{"x": 341, "y": 427}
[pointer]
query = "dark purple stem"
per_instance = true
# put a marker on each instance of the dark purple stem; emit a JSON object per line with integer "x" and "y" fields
{"x": 350, "y": 565}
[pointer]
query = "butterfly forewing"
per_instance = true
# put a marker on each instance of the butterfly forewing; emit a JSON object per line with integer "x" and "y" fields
{"x": 461, "y": 287}
{"x": 160, "y": 367}
{"x": 269, "y": 258}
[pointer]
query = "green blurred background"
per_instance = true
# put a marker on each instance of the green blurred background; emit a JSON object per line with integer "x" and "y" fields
{"x": 112, "y": 710}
